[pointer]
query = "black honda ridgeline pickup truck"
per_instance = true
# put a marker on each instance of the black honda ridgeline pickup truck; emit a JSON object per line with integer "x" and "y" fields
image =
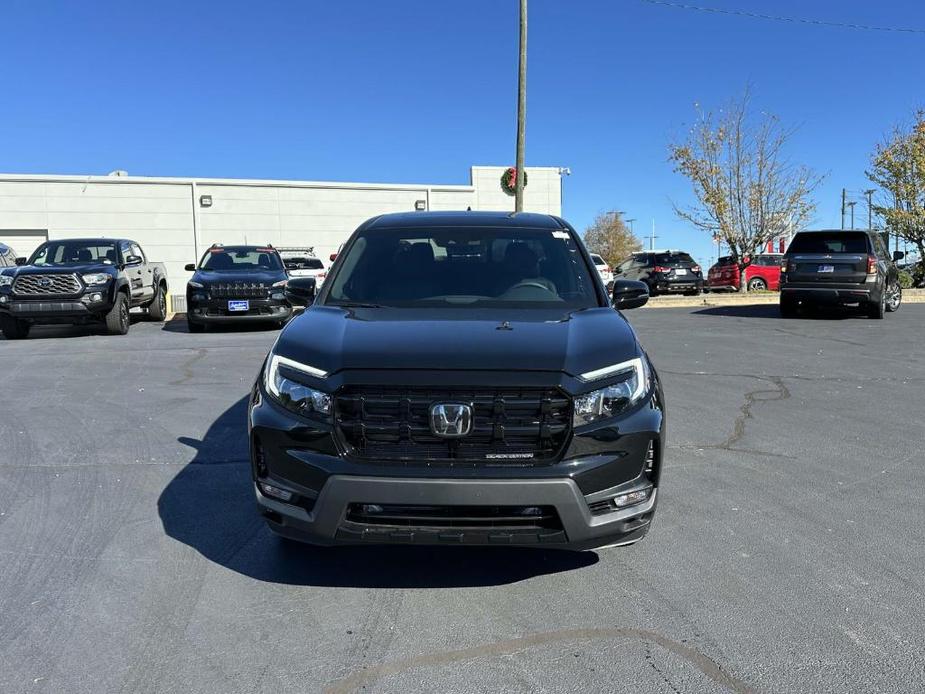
{"x": 80, "y": 281}
{"x": 461, "y": 378}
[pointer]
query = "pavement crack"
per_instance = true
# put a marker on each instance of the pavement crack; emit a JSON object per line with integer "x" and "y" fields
{"x": 187, "y": 367}
{"x": 778, "y": 392}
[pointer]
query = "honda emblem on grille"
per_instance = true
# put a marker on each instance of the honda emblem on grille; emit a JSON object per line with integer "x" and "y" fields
{"x": 451, "y": 419}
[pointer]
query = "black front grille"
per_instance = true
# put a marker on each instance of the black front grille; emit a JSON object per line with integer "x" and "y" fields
{"x": 437, "y": 517}
{"x": 239, "y": 290}
{"x": 47, "y": 285}
{"x": 509, "y": 425}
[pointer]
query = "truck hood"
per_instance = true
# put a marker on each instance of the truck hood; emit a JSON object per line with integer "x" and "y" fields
{"x": 250, "y": 277}
{"x": 80, "y": 269}
{"x": 333, "y": 339}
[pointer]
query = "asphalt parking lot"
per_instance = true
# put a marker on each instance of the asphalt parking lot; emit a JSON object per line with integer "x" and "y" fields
{"x": 787, "y": 553}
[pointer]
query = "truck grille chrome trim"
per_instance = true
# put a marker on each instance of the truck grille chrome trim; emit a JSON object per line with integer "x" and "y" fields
{"x": 47, "y": 285}
{"x": 239, "y": 290}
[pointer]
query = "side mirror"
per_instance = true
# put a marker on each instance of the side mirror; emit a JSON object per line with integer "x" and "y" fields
{"x": 629, "y": 294}
{"x": 132, "y": 260}
{"x": 21, "y": 261}
{"x": 190, "y": 267}
{"x": 300, "y": 291}
{"x": 898, "y": 255}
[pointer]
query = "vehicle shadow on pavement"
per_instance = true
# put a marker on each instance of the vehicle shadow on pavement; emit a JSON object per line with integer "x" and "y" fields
{"x": 52, "y": 331}
{"x": 177, "y": 324}
{"x": 772, "y": 311}
{"x": 210, "y": 507}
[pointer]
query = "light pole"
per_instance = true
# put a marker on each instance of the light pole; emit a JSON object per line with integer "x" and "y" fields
{"x": 630, "y": 222}
{"x": 563, "y": 172}
{"x": 521, "y": 109}
{"x": 851, "y": 205}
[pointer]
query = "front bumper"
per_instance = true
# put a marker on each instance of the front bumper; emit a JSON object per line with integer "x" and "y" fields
{"x": 57, "y": 309}
{"x": 600, "y": 462}
{"x": 326, "y": 522}
{"x": 216, "y": 311}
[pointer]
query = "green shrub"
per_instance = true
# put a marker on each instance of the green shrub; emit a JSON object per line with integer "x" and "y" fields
{"x": 905, "y": 279}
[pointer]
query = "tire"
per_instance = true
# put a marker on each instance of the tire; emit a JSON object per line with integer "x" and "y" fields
{"x": 894, "y": 297}
{"x": 756, "y": 284}
{"x": 788, "y": 308}
{"x": 14, "y": 329}
{"x": 157, "y": 310}
{"x": 877, "y": 309}
{"x": 117, "y": 320}
{"x": 195, "y": 327}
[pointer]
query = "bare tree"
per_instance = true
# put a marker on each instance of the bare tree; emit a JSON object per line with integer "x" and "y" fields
{"x": 747, "y": 191}
{"x": 898, "y": 166}
{"x": 610, "y": 238}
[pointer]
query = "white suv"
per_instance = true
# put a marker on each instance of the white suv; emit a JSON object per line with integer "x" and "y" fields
{"x": 603, "y": 269}
{"x": 303, "y": 263}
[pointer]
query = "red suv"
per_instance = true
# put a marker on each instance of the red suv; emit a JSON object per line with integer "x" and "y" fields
{"x": 763, "y": 273}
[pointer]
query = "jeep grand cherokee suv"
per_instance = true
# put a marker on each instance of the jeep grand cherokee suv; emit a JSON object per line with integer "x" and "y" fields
{"x": 840, "y": 267}
{"x": 462, "y": 378}
{"x": 235, "y": 285}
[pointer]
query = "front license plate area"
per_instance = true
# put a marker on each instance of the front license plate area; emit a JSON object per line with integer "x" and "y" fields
{"x": 826, "y": 268}
{"x": 239, "y": 305}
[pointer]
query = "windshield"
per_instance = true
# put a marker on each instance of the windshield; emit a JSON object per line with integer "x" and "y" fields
{"x": 240, "y": 258}
{"x": 74, "y": 252}
{"x": 829, "y": 242}
{"x": 672, "y": 258}
{"x": 303, "y": 264}
{"x": 464, "y": 267}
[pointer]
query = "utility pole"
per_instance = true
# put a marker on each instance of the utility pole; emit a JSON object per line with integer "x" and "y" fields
{"x": 652, "y": 237}
{"x": 870, "y": 207}
{"x": 521, "y": 110}
{"x": 851, "y": 205}
{"x": 844, "y": 195}
{"x": 630, "y": 222}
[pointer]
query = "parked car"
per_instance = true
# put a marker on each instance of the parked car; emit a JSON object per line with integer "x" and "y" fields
{"x": 762, "y": 273}
{"x": 7, "y": 256}
{"x": 663, "y": 272}
{"x": 237, "y": 284}
{"x": 840, "y": 267}
{"x": 301, "y": 262}
{"x": 603, "y": 269}
{"x": 77, "y": 281}
{"x": 462, "y": 378}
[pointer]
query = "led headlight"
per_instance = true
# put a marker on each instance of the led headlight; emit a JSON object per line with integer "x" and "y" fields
{"x": 293, "y": 395}
{"x": 281, "y": 283}
{"x": 96, "y": 278}
{"x": 6, "y": 280}
{"x": 632, "y": 383}
{"x": 194, "y": 285}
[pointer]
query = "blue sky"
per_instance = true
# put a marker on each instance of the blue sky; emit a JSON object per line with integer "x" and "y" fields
{"x": 416, "y": 91}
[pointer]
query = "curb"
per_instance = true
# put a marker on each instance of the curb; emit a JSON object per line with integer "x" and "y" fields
{"x": 910, "y": 296}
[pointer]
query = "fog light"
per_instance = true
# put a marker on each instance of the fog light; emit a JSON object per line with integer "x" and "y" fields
{"x": 630, "y": 498}
{"x": 275, "y": 492}
{"x": 96, "y": 297}
{"x": 277, "y": 296}
{"x": 370, "y": 508}
{"x": 3, "y": 299}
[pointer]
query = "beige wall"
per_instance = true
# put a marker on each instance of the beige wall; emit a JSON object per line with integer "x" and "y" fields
{"x": 165, "y": 216}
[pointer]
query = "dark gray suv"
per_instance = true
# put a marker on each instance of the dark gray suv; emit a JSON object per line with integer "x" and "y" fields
{"x": 840, "y": 267}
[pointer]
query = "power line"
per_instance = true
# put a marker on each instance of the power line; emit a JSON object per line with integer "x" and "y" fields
{"x": 778, "y": 18}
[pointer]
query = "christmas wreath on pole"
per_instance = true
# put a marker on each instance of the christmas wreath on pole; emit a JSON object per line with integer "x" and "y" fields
{"x": 509, "y": 180}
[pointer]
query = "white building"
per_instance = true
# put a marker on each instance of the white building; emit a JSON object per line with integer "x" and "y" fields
{"x": 176, "y": 219}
